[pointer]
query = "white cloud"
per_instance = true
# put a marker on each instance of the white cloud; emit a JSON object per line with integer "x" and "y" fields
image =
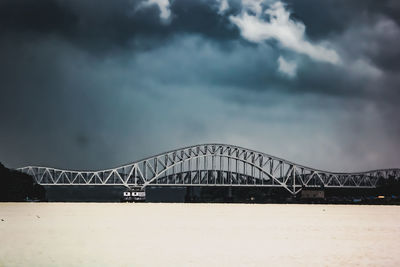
{"x": 253, "y": 6}
{"x": 289, "y": 33}
{"x": 287, "y": 67}
{"x": 223, "y": 6}
{"x": 163, "y": 5}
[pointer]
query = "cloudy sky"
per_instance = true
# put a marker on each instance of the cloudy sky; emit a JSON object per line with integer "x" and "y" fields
{"x": 95, "y": 84}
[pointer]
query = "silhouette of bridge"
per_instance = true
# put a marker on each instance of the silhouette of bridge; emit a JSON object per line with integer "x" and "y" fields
{"x": 213, "y": 165}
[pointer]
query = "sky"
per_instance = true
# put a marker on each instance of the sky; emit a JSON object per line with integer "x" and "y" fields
{"x": 97, "y": 84}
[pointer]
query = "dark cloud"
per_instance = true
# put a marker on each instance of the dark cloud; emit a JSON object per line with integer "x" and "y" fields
{"x": 44, "y": 16}
{"x": 119, "y": 21}
{"x": 97, "y": 84}
{"x": 104, "y": 25}
{"x": 324, "y": 18}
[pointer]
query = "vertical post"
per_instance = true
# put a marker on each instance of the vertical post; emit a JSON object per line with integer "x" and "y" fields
{"x": 271, "y": 167}
{"x": 237, "y": 167}
{"x": 213, "y": 167}
{"x": 145, "y": 170}
{"x": 156, "y": 165}
{"x": 190, "y": 166}
{"x": 135, "y": 174}
{"x": 229, "y": 167}
{"x": 252, "y": 169}
{"x": 197, "y": 168}
{"x": 221, "y": 168}
{"x": 173, "y": 167}
{"x": 294, "y": 178}
{"x": 181, "y": 171}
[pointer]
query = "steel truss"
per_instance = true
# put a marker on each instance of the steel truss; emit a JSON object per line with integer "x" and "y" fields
{"x": 213, "y": 165}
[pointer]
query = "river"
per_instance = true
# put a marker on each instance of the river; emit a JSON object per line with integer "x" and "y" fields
{"x": 165, "y": 234}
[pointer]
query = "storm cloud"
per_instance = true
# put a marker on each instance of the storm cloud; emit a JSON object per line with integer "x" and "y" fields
{"x": 95, "y": 84}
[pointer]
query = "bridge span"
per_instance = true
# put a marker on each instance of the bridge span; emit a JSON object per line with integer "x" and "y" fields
{"x": 213, "y": 165}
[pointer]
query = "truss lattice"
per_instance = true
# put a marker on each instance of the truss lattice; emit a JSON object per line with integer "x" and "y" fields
{"x": 213, "y": 165}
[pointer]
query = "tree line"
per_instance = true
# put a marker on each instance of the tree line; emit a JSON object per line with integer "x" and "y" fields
{"x": 18, "y": 186}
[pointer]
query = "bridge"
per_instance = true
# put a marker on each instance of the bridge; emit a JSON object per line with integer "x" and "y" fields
{"x": 214, "y": 165}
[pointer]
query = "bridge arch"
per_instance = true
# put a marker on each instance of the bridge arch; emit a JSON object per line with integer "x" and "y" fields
{"x": 218, "y": 156}
{"x": 261, "y": 168}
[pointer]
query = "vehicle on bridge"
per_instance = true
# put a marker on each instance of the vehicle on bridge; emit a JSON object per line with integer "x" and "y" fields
{"x": 135, "y": 194}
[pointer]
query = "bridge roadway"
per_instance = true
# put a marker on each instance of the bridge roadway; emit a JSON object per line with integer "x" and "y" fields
{"x": 214, "y": 165}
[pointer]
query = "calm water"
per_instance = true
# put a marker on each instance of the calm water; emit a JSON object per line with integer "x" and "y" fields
{"x": 149, "y": 234}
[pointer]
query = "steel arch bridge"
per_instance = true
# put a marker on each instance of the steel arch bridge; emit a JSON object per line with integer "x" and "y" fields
{"x": 213, "y": 165}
